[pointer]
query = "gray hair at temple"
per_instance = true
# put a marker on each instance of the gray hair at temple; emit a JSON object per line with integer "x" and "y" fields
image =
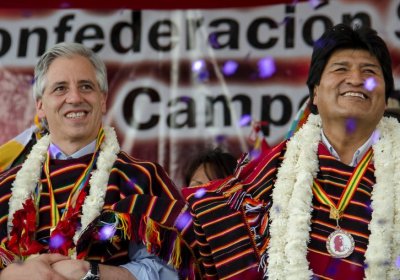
{"x": 67, "y": 50}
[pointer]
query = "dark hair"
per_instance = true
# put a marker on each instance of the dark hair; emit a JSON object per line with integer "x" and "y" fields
{"x": 343, "y": 36}
{"x": 394, "y": 113}
{"x": 217, "y": 164}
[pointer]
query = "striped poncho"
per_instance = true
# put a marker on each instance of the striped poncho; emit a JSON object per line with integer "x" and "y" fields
{"x": 231, "y": 219}
{"x": 140, "y": 192}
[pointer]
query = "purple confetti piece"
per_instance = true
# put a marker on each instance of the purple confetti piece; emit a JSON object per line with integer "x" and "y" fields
{"x": 369, "y": 208}
{"x": 316, "y": 4}
{"x": 198, "y": 65}
{"x": 254, "y": 154}
{"x": 185, "y": 98}
{"x": 266, "y": 67}
{"x": 56, "y": 241}
{"x": 351, "y": 125}
{"x": 245, "y": 120}
{"x": 200, "y": 193}
{"x": 183, "y": 220}
{"x": 375, "y": 136}
{"x": 220, "y": 138}
{"x": 230, "y": 67}
{"x": 212, "y": 39}
{"x": 107, "y": 232}
{"x": 370, "y": 84}
{"x": 203, "y": 76}
{"x": 132, "y": 182}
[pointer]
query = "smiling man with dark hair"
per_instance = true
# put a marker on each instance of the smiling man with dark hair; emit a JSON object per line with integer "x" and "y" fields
{"x": 325, "y": 203}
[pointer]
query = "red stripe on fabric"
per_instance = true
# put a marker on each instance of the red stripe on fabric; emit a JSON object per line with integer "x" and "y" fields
{"x": 250, "y": 273}
{"x": 337, "y": 269}
{"x": 211, "y": 237}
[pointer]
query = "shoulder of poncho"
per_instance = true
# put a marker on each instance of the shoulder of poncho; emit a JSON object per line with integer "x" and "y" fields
{"x": 5, "y": 174}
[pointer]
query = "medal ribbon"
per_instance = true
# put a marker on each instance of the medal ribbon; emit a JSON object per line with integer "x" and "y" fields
{"x": 351, "y": 187}
{"x": 78, "y": 187}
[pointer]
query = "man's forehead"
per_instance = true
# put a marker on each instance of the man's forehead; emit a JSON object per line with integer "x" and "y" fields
{"x": 79, "y": 60}
{"x": 360, "y": 56}
{"x": 79, "y": 82}
{"x": 65, "y": 67}
{"x": 354, "y": 53}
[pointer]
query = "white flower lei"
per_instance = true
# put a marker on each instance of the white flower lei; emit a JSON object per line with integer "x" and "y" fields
{"x": 30, "y": 173}
{"x": 292, "y": 205}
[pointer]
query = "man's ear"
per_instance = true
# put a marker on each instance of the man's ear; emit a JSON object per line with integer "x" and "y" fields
{"x": 104, "y": 103}
{"x": 39, "y": 109}
{"x": 315, "y": 95}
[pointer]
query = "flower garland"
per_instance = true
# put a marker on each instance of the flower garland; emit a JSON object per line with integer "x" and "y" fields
{"x": 29, "y": 175}
{"x": 292, "y": 205}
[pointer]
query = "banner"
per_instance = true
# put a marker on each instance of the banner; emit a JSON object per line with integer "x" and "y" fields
{"x": 182, "y": 80}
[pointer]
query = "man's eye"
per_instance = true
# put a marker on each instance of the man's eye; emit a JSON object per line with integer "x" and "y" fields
{"x": 86, "y": 87}
{"x": 59, "y": 89}
{"x": 370, "y": 71}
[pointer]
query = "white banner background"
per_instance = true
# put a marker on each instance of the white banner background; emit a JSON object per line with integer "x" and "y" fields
{"x": 162, "y": 107}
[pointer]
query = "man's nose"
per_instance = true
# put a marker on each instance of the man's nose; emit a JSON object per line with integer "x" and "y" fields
{"x": 74, "y": 96}
{"x": 355, "y": 78}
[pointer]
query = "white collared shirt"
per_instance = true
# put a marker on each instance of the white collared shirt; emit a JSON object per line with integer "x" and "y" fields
{"x": 56, "y": 153}
{"x": 357, "y": 155}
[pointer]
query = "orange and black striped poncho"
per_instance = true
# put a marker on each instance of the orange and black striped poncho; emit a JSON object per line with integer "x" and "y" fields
{"x": 230, "y": 219}
{"x": 140, "y": 190}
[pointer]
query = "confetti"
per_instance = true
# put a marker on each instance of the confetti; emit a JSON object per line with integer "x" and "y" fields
{"x": 56, "y": 241}
{"x": 220, "y": 139}
{"x": 370, "y": 84}
{"x": 107, "y": 232}
{"x": 198, "y": 65}
{"x": 351, "y": 125}
{"x": 316, "y": 4}
{"x": 230, "y": 67}
{"x": 375, "y": 136}
{"x": 245, "y": 120}
{"x": 266, "y": 67}
{"x": 200, "y": 193}
{"x": 183, "y": 220}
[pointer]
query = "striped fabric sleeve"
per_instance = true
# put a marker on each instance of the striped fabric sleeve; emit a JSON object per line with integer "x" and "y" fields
{"x": 227, "y": 218}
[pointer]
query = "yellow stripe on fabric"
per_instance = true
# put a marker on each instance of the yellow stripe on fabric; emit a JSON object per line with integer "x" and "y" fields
{"x": 168, "y": 212}
{"x": 137, "y": 189}
{"x": 236, "y": 256}
{"x": 222, "y": 219}
{"x": 350, "y": 188}
{"x": 321, "y": 195}
{"x": 3, "y": 219}
{"x": 355, "y": 180}
{"x": 132, "y": 203}
{"x": 150, "y": 207}
{"x": 79, "y": 185}
{"x": 54, "y": 214}
{"x": 200, "y": 214}
{"x": 237, "y": 241}
{"x": 231, "y": 229}
{"x": 9, "y": 152}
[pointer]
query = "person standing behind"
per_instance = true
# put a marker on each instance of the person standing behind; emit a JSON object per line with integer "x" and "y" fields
{"x": 327, "y": 199}
{"x": 209, "y": 165}
{"x": 78, "y": 207}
